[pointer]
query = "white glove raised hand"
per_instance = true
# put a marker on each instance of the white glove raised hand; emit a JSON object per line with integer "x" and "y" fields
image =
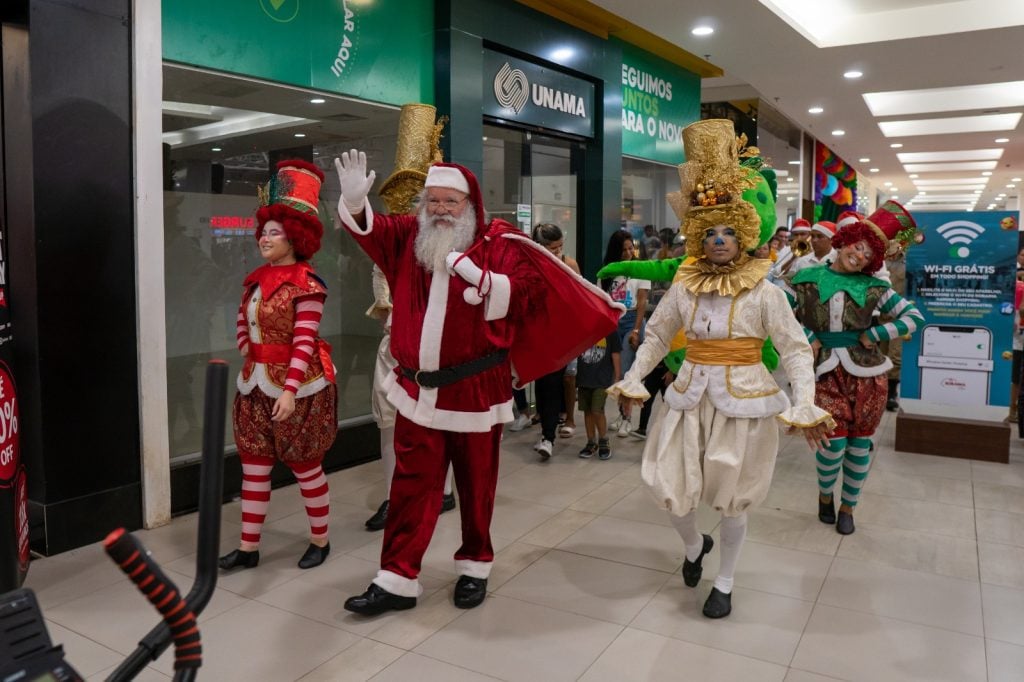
{"x": 354, "y": 180}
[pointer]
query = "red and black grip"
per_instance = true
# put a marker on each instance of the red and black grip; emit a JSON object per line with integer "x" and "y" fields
{"x": 128, "y": 553}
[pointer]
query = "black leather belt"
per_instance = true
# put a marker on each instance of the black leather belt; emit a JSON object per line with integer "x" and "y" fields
{"x": 449, "y": 375}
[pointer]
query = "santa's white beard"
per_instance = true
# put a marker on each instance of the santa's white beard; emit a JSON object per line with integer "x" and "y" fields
{"x": 440, "y": 235}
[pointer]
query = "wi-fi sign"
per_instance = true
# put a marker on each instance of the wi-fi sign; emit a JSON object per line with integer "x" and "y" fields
{"x": 959, "y": 234}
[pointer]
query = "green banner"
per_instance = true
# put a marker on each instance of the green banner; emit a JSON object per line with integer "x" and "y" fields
{"x": 379, "y": 51}
{"x": 659, "y": 99}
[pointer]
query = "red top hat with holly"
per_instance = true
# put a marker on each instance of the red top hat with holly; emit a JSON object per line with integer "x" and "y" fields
{"x": 291, "y": 198}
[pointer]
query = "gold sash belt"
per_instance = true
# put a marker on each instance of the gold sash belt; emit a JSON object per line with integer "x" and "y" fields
{"x": 742, "y": 351}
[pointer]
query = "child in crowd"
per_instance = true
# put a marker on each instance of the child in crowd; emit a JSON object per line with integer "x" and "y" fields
{"x": 598, "y": 368}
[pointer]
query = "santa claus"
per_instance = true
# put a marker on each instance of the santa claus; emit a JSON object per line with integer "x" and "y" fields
{"x": 474, "y": 303}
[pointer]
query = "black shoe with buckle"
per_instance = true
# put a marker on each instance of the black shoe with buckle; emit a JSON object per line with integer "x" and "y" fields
{"x": 469, "y": 592}
{"x": 379, "y": 519}
{"x": 692, "y": 570}
{"x": 238, "y": 558}
{"x": 826, "y": 511}
{"x": 377, "y": 600}
{"x": 447, "y": 502}
{"x": 718, "y": 605}
{"x": 314, "y": 555}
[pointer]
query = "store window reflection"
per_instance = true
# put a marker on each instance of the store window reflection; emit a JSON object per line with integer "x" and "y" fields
{"x": 222, "y": 136}
{"x": 645, "y": 210}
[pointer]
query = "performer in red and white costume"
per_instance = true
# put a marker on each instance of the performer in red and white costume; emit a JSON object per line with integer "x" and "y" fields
{"x": 470, "y": 302}
{"x": 286, "y": 406}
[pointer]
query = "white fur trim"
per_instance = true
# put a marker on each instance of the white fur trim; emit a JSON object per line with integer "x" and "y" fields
{"x": 396, "y": 584}
{"x": 260, "y": 379}
{"x": 447, "y": 177}
{"x": 426, "y": 413}
{"x": 349, "y": 221}
{"x": 499, "y": 297}
{"x": 433, "y": 321}
{"x": 474, "y": 569}
{"x": 823, "y": 229}
{"x": 848, "y": 220}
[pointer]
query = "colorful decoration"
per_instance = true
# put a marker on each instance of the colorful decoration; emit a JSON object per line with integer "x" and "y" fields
{"x": 835, "y": 184}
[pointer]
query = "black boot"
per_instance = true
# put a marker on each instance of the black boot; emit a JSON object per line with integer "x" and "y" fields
{"x": 692, "y": 570}
{"x": 238, "y": 558}
{"x": 891, "y": 403}
{"x": 379, "y": 519}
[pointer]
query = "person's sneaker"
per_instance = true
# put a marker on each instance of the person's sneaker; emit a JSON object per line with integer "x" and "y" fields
{"x": 603, "y": 451}
{"x": 639, "y": 434}
{"x": 615, "y": 423}
{"x": 544, "y": 447}
{"x": 588, "y": 450}
{"x": 624, "y": 428}
{"x": 520, "y": 422}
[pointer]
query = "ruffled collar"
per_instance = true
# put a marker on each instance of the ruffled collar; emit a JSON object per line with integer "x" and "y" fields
{"x": 704, "y": 277}
{"x": 270, "y": 278}
{"x": 854, "y": 284}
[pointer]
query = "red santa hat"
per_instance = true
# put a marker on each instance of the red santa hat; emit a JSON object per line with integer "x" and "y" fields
{"x": 800, "y": 225}
{"x": 825, "y": 227}
{"x": 291, "y": 198}
{"x": 459, "y": 178}
{"x": 848, "y": 218}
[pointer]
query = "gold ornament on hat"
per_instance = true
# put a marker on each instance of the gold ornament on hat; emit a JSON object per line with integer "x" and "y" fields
{"x": 418, "y": 146}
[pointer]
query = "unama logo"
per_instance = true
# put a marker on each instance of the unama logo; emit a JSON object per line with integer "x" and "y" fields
{"x": 960, "y": 234}
{"x": 511, "y": 88}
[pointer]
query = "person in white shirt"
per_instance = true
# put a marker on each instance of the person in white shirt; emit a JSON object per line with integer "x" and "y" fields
{"x": 821, "y": 247}
{"x": 799, "y": 234}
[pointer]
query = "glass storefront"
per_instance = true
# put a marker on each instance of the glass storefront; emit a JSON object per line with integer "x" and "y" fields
{"x": 645, "y": 185}
{"x": 222, "y": 136}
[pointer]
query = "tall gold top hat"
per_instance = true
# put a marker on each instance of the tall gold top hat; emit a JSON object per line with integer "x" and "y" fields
{"x": 712, "y": 182}
{"x": 419, "y": 137}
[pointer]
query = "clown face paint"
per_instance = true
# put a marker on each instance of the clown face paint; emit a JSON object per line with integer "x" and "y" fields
{"x": 720, "y": 244}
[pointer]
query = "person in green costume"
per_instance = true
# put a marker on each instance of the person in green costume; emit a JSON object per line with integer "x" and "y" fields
{"x": 835, "y": 304}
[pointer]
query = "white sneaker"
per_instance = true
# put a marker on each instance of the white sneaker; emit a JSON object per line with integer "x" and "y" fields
{"x": 616, "y": 423}
{"x": 624, "y": 429}
{"x": 520, "y": 423}
{"x": 544, "y": 447}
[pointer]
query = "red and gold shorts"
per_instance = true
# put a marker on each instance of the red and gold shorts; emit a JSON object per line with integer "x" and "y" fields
{"x": 303, "y": 437}
{"x": 856, "y": 403}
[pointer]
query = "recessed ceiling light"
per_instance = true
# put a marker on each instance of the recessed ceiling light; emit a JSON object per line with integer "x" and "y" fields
{"x": 894, "y": 189}
{"x": 873, "y": 170}
{"x": 896, "y": 145}
{"x": 794, "y": 163}
{"x": 1011, "y": 186}
{"x": 887, "y": 184}
{"x": 986, "y": 173}
{"x": 485, "y": 138}
{"x": 1014, "y": 179}
{"x": 317, "y": 100}
{"x": 982, "y": 97}
{"x": 950, "y": 125}
{"x": 895, "y": 196}
{"x": 300, "y": 134}
{"x": 853, "y": 73}
{"x": 790, "y": 198}
{"x": 838, "y": 133}
{"x": 914, "y": 175}
{"x": 792, "y": 179}
{"x": 1002, "y": 140}
{"x": 956, "y": 166}
{"x": 215, "y": 149}
{"x": 815, "y": 110}
{"x": 960, "y": 155}
{"x": 702, "y": 31}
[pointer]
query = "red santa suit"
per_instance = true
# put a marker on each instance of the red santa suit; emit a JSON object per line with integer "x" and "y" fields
{"x": 441, "y": 321}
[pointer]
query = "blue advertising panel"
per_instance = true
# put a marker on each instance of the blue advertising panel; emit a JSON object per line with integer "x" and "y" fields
{"x": 962, "y": 278}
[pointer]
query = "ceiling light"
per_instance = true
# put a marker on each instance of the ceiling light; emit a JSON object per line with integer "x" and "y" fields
{"x": 214, "y": 149}
{"x": 838, "y": 133}
{"x": 853, "y": 73}
{"x": 1002, "y": 140}
{"x": 895, "y": 196}
{"x": 981, "y": 97}
{"x": 957, "y": 166}
{"x": 913, "y": 175}
{"x": 896, "y": 145}
{"x": 954, "y": 124}
{"x": 1014, "y": 179}
{"x": 894, "y": 189}
{"x": 702, "y": 31}
{"x": 562, "y": 54}
{"x": 790, "y": 198}
{"x": 865, "y": 160}
{"x": 815, "y": 110}
{"x": 794, "y": 163}
{"x": 1011, "y": 186}
{"x": 887, "y": 184}
{"x": 986, "y": 173}
{"x": 317, "y": 100}
{"x": 300, "y": 134}
{"x": 949, "y": 188}
{"x": 961, "y": 155}
{"x": 873, "y": 170}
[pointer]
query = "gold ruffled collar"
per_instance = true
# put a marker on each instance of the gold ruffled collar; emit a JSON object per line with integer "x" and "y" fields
{"x": 704, "y": 277}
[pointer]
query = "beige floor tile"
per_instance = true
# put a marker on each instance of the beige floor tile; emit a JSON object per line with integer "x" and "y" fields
{"x": 998, "y": 474}
{"x": 410, "y": 628}
{"x": 761, "y": 625}
{"x": 118, "y": 616}
{"x": 600, "y": 500}
{"x": 917, "y": 487}
{"x": 553, "y": 490}
{"x": 358, "y": 663}
{"x": 923, "y": 515}
{"x": 70, "y": 575}
{"x": 1004, "y": 613}
{"x": 1005, "y": 662}
{"x": 777, "y": 570}
{"x": 557, "y": 528}
{"x": 629, "y": 542}
{"x": 1005, "y": 498}
{"x": 320, "y": 593}
{"x": 514, "y": 640}
{"x": 803, "y": 676}
{"x": 178, "y": 538}
{"x": 600, "y": 589}
{"x": 439, "y": 560}
{"x": 510, "y": 562}
{"x": 922, "y": 465}
{"x": 1000, "y": 526}
{"x": 794, "y": 530}
{"x": 629, "y": 476}
{"x": 795, "y": 470}
{"x": 424, "y": 669}
{"x": 145, "y": 675}
{"x": 566, "y": 461}
{"x": 638, "y": 505}
{"x": 862, "y": 646}
{"x": 367, "y": 498}
{"x": 912, "y": 550}
{"x": 345, "y": 525}
{"x": 638, "y": 655}
{"x": 87, "y": 657}
{"x": 342, "y": 482}
{"x": 512, "y": 517}
{"x": 924, "y": 598}
{"x": 237, "y": 645}
{"x": 792, "y": 495}
{"x": 1001, "y": 564}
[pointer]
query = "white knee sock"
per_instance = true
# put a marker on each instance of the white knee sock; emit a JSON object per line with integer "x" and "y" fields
{"x": 686, "y": 526}
{"x": 733, "y": 530}
{"x": 387, "y": 457}
{"x": 448, "y": 481}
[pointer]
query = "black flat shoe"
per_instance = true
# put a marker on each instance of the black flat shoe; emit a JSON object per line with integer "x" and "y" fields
{"x": 314, "y": 555}
{"x": 827, "y": 511}
{"x": 469, "y": 592}
{"x": 844, "y": 526}
{"x": 378, "y": 600}
{"x": 237, "y": 558}
{"x": 718, "y": 605}
{"x": 692, "y": 570}
{"x": 447, "y": 502}
{"x": 379, "y": 519}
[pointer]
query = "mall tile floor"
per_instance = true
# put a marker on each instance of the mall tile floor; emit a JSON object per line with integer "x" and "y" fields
{"x": 586, "y": 583}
